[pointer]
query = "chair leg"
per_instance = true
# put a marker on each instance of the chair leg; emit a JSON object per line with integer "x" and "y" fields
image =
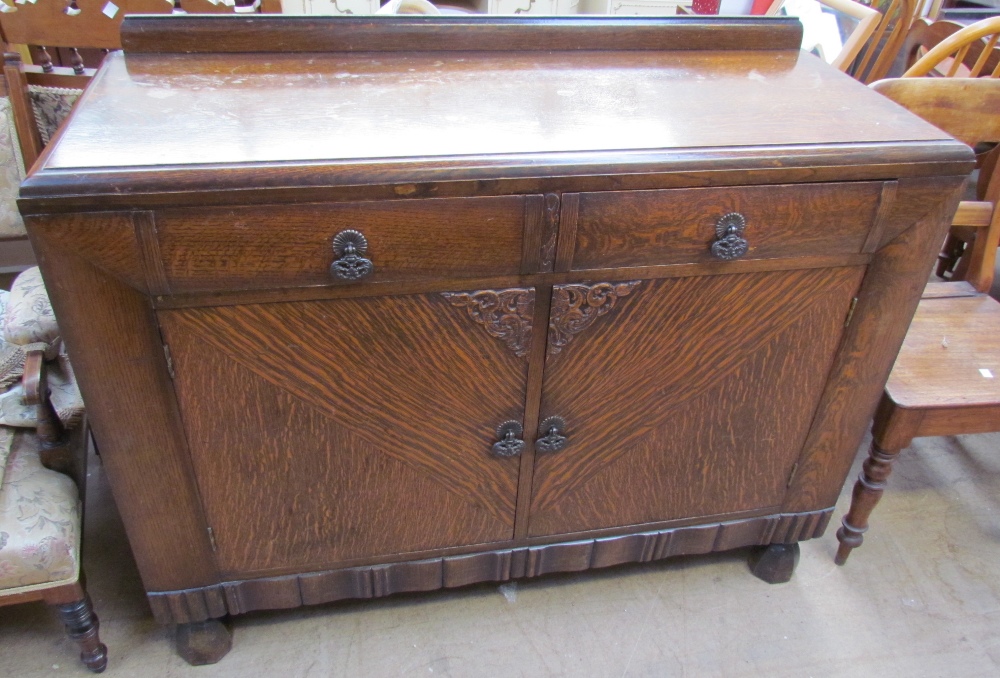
{"x": 950, "y": 253}
{"x": 867, "y": 492}
{"x": 81, "y": 626}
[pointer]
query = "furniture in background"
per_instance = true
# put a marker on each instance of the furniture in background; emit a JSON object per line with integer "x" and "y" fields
{"x": 945, "y": 380}
{"x": 842, "y": 53}
{"x": 970, "y": 52}
{"x": 42, "y": 472}
{"x": 952, "y": 50}
{"x": 594, "y": 304}
{"x": 76, "y": 34}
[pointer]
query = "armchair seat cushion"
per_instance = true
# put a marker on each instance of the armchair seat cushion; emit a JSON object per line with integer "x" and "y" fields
{"x": 39, "y": 519}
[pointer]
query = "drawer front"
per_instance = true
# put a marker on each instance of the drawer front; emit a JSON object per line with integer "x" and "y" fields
{"x": 214, "y": 249}
{"x": 648, "y": 228}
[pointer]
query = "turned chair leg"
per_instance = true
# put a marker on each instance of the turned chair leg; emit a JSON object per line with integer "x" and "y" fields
{"x": 867, "y": 492}
{"x": 81, "y": 626}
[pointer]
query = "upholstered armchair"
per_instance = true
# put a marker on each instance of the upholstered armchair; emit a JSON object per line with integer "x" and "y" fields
{"x": 41, "y": 467}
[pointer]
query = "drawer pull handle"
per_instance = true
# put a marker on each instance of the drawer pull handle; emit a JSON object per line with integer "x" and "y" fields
{"x": 349, "y": 246}
{"x": 509, "y": 443}
{"x": 552, "y": 432}
{"x": 729, "y": 230}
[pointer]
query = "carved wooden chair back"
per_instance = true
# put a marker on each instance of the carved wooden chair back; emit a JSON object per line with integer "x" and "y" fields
{"x": 943, "y": 382}
{"x": 970, "y": 52}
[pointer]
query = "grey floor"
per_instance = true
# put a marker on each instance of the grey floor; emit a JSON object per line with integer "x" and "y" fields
{"x": 920, "y": 598}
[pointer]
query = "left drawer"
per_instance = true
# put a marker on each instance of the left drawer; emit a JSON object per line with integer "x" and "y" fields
{"x": 220, "y": 249}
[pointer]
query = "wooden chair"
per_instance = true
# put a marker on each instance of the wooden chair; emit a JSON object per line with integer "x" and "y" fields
{"x": 946, "y": 379}
{"x": 40, "y": 504}
{"x": 969, "y": 52}
{"x": 953, "y": 50}
{"x": 868, "y": 21}
{"x": 877, "y": 53}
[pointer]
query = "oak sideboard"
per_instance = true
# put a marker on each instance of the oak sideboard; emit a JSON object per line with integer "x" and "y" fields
{"x": 366, "y": 305}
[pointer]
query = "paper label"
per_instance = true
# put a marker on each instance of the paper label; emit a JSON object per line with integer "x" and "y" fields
{"x": 110, "y": 10}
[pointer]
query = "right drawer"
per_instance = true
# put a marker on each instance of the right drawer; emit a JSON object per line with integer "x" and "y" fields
{"x": 679, "y": 226}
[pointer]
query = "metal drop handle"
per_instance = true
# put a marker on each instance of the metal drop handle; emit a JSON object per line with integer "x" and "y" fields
{"x": 552, "y": 436}
{"x": 349, "y": 246}
{"x": 730, "y": 243}
{"x": 510, "y": 443}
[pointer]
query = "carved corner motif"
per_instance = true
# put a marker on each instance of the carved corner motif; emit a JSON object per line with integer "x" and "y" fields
{"x": 504, "y": 314}
{"x": 577, "y": 307}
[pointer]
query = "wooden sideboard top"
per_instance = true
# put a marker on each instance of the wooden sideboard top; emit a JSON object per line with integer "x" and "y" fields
{"x": 350, "y": 116}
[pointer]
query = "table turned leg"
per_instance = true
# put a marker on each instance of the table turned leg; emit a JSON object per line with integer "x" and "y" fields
{"x": 204, "y": 642}
{"x": 81, "y": 626}
{"x": 867, "y": 491}
{"x": 774, "y": 563}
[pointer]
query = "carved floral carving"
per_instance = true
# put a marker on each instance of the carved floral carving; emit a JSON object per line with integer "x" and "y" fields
{"x": 577, "y": 307}
{"x": 504, "y": 314}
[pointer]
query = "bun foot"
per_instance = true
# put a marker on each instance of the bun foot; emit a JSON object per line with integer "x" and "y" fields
{"x": 205, "y": 642}
{"x": 775, "y": 563}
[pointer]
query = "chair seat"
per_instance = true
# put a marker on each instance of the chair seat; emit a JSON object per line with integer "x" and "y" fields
{"x": 39, "y": 520}
{"x": 951, "y": 355}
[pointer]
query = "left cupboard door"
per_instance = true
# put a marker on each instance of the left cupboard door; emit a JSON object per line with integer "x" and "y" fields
{"x": 334, "y": 431}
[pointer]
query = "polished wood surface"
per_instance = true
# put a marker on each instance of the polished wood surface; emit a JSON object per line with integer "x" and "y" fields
{"x": 226, "y": 249}
{"x": 162, "y": 110}
{"x": 540, "y": 225}
{"x": 640, "y": 405}
{"x": 335, "y": 381}
{"x": 671, "y": 227}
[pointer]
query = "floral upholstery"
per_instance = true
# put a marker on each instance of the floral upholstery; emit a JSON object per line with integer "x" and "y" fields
{"x": 51, "y": 106}
{"x": 28, "y": 317}
{"x": 11, "y": 173}
{"x": 39, "y": 520}
{"x": 63, "y": 392}
{"x": 27, "y": 321}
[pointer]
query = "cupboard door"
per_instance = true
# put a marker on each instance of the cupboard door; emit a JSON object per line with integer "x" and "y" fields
{"x": 326, "y": 431}
{"x": 682, "y": 397}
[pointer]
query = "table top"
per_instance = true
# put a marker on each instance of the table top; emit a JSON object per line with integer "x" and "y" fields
{"x": 455, "y": 110}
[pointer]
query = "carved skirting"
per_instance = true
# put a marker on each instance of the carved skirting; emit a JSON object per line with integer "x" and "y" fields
{"x": 376, "y": 581}
{"x": 577, "y": 307}
{"x": 504, "y": 314}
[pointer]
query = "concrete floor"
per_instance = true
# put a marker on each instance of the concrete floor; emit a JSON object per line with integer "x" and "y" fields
{"x": 920, "y": 598}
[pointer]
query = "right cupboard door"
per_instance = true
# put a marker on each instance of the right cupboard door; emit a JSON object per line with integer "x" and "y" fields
{"x": 683, "y": 397}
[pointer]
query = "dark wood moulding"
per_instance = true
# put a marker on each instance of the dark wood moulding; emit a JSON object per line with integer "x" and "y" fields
{"x": 377, "y": 581}
{"x": 197, "y": 34}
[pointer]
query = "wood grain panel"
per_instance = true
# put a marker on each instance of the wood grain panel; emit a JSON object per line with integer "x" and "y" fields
{"x": 499, "y": 565}
{"x": 643, "y": 228}
{"x": 106, "y": 240}
{"x": 886, "y": 303}
{"x": 118, "y": 358}
{"x": 226, "y": 249}
{"x": 355, "y": 413}
{"x": 681, "y": 389}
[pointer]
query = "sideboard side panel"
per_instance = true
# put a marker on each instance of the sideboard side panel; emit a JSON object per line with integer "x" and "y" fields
{"x": 886, "y": 303}
{"x": 118, "y": 356}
